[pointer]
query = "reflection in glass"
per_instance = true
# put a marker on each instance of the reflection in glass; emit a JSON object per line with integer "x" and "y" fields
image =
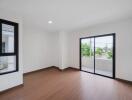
{"x": 7, "y": 38}
{"x": 7, "y": 63}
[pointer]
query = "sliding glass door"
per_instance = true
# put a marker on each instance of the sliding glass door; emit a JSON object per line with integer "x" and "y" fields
{"x": 103, "y": 55}
{"x": 87, "y": 54}
{"x": 97, "y": 55}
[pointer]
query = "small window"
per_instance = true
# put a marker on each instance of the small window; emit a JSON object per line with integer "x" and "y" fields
{"x": 8, "y": 47}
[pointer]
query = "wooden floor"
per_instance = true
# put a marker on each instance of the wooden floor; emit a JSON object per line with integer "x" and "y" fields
{"x": 52, "y": 84}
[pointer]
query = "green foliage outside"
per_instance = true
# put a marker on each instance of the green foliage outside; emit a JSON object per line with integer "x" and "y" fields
{"x": 87, "y": 51}
{"x": 109, "y": 54}
{"x": 99, "y": 51}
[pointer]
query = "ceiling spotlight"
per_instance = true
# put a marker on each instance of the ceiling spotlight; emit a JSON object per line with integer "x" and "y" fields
{"x": 50, "y": 22}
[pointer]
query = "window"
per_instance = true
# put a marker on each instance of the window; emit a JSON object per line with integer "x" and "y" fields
{"x": 8, "y": 47}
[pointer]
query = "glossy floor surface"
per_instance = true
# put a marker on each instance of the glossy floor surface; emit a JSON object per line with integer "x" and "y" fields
{"x": 53, "y": 84}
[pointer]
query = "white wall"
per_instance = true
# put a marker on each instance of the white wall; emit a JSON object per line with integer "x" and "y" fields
{"x": 64, "y": 50}
{"x": 123, "y": 30}
{"x": 13, "y": 79}
{"x": 40, "y": 49}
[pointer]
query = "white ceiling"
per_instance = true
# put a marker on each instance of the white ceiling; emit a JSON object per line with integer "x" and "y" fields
{"x": 68, "y": 14}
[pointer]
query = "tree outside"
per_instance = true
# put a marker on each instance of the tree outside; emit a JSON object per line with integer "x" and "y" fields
{"x": 87, "y": 51}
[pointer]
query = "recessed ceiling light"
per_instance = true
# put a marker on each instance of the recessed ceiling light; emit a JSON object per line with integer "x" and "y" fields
{"x": 50, "y": 22}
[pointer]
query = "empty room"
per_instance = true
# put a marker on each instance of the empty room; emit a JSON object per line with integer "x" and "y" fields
{"x": 65, "y": 49}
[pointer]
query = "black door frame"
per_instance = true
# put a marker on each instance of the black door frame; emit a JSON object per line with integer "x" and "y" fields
{"x": 113, "y": 58}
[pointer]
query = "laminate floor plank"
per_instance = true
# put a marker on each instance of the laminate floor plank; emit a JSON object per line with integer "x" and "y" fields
{"x": 53, "y": 84}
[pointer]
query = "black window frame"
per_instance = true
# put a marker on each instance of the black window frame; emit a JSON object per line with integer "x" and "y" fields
{"x": 16, "y": 44}
{"x": 113, "y": 58}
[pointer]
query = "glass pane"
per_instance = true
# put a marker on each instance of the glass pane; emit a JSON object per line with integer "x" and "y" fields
{"x": 7, "y": 63}
{"x": 7, "y": 38}
{"x": 87, "y": 54}
{"x": 103, "y": 55}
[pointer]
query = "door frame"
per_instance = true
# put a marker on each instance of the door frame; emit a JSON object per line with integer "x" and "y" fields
{"x": 113, "y": 58}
